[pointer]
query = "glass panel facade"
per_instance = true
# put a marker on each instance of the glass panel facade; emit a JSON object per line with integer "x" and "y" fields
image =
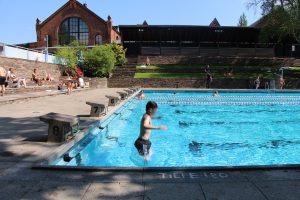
{"x": 98, "y": 39}
{"x": 73, "y": 29}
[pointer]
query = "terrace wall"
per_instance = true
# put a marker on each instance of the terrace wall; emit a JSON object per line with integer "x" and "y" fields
{"x": 24, "y": 68}
{"x": 199, "y": 60}
{"x": 195, "y": 83}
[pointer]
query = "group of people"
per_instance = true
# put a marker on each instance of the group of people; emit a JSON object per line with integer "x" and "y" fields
{"x": 71, "y": 84}
{"x": 18, "y": 82}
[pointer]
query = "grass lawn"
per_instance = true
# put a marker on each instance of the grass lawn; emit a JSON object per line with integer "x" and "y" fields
{"x": 239, "y": 72}
{"x": 202, "y": 67}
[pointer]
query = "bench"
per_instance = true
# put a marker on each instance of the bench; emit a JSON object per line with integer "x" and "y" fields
{"x": 98, "y": 109}
{"x": 113, "y": 100}
{"x": 61, "y": 127}
{"x": 123, "y": 95}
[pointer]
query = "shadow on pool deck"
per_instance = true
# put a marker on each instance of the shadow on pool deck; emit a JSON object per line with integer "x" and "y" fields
{"x": 22, "y": 142}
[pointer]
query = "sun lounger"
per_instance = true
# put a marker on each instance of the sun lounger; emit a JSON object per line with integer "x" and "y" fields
{"x": 98, "y": 109}
{"x": 61, "y": 127}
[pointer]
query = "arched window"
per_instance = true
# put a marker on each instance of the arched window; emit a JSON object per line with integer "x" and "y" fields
{"x": 98, "y": 40}
{"x": 72, "y": 29}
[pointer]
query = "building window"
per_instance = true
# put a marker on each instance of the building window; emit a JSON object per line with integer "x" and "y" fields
{"x": 98, "y": 40}
{"x": 73, "y": 29}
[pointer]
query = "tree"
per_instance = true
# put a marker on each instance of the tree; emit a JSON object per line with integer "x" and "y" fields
{"x": 70, "y": 56}
{"x": 119, "y": 54}
{"x": 243, "y": 22}
{"x": 282, "y": 18}
{"x": 100, "y": 61}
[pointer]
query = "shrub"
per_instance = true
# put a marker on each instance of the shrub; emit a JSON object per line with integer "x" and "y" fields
{"x": 70, "y": 55}
{"x": 99, "y": 61}
{"x": 119, "y": 54}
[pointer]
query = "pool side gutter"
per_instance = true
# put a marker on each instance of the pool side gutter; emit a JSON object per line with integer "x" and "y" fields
{"x": 164, "y": 169}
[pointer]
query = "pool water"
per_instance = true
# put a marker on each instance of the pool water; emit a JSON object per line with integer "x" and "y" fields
{"x": 235, "y": 129}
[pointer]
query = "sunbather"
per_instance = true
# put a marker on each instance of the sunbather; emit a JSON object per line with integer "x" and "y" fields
{"x": 48, "y": 77}
{"x": 16, "y": 80}
{"x": 35, "y": 77}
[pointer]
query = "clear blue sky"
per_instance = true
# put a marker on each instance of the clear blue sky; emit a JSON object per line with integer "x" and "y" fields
{"x": 17, "y": 17}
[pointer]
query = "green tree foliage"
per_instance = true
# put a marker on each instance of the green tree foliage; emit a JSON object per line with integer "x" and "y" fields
{"x": 281, "y": 19}
{"x": 100, "y": 61}
{"x": 243, "y": 22}
{"x": 72, "y": 55}
{"x": 119, "y": 54}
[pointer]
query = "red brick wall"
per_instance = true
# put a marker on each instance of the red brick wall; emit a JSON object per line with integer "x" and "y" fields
{"x": 74, "y": 9}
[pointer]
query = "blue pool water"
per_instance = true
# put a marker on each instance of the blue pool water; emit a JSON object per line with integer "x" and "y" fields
{"x": 235, "y": 129}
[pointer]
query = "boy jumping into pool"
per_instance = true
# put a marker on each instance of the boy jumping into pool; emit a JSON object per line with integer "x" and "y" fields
{"x": 143, "y": 143}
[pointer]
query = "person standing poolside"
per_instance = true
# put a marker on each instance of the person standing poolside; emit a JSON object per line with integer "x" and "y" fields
{"x": 281, "y": 83}
{"x": 257, "y": 83}
{"x": 2, "y": 80}
{"x": 209, "y": 79}
{"x": 143, "y": 143}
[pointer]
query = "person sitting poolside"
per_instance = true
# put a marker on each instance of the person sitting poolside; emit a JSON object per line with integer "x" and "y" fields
{"x": 15, "y": 80}
{"x": 141, "y": 96}
{"x": 148, "y": 61}
{"x": 143, "y": 144}
{"x": 35, "y": 77}
{"x": 48, "y": 77}
{"x": 81, "y": 82}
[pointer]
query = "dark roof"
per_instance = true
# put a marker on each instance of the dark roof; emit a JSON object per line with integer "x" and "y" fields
{"x": 145, "y": 23}
{"x": 215, "y": 23}
{"x": 183, "y": 26}
{"x": 188, "y": 33}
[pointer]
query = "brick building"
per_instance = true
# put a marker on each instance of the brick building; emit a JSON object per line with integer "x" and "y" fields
{"x": 74, "y": 21}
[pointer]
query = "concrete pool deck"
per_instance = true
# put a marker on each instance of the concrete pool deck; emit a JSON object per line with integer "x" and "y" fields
{"x": 22, "y": 143}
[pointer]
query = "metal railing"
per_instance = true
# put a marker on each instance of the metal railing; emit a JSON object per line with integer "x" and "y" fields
{"x": 11, "y": 51}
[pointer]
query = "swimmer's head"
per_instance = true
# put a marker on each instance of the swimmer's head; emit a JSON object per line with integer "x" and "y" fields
{"x": 151, "y": 108}
{"x": 216, "y": 92}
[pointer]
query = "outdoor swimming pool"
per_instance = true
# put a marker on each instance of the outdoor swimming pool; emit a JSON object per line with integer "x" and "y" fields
{"x": 235, "y": 129}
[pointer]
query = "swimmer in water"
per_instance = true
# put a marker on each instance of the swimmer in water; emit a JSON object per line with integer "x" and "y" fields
{"x": 143, "y": 143}
{"x": 141, "y": 96}
{"x": 216, "y": 93}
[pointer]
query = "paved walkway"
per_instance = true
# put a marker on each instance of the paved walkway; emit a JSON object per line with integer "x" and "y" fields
{"x": 22, "y": 142}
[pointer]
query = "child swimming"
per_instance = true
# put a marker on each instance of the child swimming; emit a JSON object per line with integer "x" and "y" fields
{"x": 143, "y": 143}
